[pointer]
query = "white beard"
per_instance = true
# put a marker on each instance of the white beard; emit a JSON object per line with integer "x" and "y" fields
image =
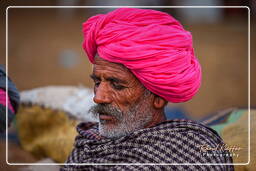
{"x": 136, "y": 118}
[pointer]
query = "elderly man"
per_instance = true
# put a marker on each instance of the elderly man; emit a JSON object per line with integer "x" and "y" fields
{"x": 141, "y": 60}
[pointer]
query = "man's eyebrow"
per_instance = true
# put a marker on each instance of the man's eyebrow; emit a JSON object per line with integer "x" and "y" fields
{"x": 116, "y": 80}
{"x": 94, "y": 77}
{"x": 111, "y": 79}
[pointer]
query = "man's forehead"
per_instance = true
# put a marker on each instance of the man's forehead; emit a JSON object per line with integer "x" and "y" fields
{"x": 103, "y": 66}
{"x": 102, "y": 63}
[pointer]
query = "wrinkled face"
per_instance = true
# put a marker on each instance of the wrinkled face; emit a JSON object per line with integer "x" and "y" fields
{"x": 123, "y": 104}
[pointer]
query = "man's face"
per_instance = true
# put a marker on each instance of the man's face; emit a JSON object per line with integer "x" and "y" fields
{"x": 123, "y": 104}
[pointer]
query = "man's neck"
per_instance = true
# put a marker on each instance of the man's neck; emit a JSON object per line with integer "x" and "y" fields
{"x": 158, "y": 117}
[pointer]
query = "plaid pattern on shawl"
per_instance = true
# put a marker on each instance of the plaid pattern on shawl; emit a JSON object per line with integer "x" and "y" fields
{"x": 174, "y": 141}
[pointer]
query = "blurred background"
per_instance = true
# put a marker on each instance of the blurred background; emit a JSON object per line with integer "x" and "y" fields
{"x": 45, "y": 47}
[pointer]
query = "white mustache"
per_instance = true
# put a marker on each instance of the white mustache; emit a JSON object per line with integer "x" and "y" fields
{"x": 106, "y": 110}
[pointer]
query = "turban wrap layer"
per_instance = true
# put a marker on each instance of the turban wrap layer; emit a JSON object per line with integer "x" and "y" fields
{"x": 152, "y": 45}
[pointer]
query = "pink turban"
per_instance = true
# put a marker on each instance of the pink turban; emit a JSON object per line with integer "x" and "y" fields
{"x": 152, "y": 45}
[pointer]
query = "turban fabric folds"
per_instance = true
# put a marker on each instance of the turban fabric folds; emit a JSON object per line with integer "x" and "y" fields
{"x": 152, "y": 45}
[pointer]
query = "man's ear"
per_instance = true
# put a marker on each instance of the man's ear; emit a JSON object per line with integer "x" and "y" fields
{"x": 159, "y": 102}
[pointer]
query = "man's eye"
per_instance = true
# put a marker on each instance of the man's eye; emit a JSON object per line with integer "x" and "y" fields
{"x": 118, "y": 87}
{"x": 96, "y": 83}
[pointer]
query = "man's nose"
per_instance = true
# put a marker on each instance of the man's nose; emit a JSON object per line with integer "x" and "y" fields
{"x": 101, "y": 94}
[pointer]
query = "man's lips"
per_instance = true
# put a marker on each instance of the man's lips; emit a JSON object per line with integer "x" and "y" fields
{"x": 105, "y": 117}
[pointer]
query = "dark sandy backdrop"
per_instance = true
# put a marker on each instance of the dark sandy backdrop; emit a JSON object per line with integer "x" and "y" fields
{"x": 45, "y": 49}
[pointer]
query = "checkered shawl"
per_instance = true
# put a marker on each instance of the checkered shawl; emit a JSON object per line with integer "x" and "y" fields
{"x": 174, "y": 141}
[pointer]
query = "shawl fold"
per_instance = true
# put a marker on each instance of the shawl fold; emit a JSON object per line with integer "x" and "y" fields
{"x": 174, "y": 141}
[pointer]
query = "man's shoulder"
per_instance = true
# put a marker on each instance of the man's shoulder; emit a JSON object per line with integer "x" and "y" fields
{"x": 183, "y": 135}
{"x": 185, "y": 141}
{"x": 183, "y": 127}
